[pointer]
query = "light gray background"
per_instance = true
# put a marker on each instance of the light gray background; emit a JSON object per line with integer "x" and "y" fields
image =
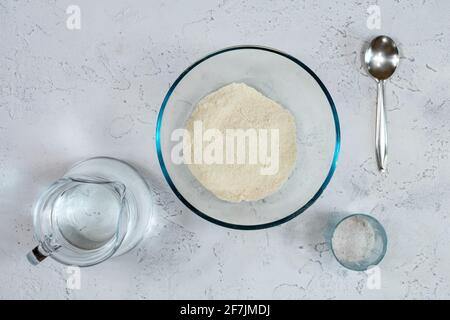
{"x": 68, "y": 95}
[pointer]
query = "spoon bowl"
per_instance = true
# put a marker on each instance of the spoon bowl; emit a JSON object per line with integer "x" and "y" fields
{"x": 381, "y": 58}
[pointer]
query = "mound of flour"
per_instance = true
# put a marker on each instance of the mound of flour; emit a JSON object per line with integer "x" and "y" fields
{"x": 238, "y": 106}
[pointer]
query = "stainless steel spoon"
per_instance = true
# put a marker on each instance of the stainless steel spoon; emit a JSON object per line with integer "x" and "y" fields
{"x": 381, "y": 59}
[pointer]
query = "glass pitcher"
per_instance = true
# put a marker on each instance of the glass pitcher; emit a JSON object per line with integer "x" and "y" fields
{"x": 100, "y": 208}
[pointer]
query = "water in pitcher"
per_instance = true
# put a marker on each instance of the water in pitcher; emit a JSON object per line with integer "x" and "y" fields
{"x": 100, "y": 208}
{"x": 87, "y": 215}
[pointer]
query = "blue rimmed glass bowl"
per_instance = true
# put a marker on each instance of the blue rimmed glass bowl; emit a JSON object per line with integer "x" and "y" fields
{"x": 282, "y": 78}
{"x": 373, "y": 253}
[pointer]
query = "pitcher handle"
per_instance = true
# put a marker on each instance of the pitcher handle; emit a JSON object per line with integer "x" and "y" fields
{"x": 36, "y": 255}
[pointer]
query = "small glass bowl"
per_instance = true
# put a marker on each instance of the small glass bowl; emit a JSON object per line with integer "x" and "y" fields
{"x": 375, "y": 254}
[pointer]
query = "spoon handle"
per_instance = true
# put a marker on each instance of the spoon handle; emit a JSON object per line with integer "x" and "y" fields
{"x": 381, "y": 132}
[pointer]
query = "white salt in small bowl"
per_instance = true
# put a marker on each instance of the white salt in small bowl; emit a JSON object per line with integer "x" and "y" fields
{"x": 358, "y": 242}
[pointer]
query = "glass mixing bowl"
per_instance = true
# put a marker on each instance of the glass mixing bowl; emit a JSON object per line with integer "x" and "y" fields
{"x": 283, "y": 79}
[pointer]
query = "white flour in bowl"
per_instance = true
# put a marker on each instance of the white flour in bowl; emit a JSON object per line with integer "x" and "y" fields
{"x": 239, "y": 107}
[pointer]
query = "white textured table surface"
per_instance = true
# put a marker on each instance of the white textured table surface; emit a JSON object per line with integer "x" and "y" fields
{"x": 67, "y": 94}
